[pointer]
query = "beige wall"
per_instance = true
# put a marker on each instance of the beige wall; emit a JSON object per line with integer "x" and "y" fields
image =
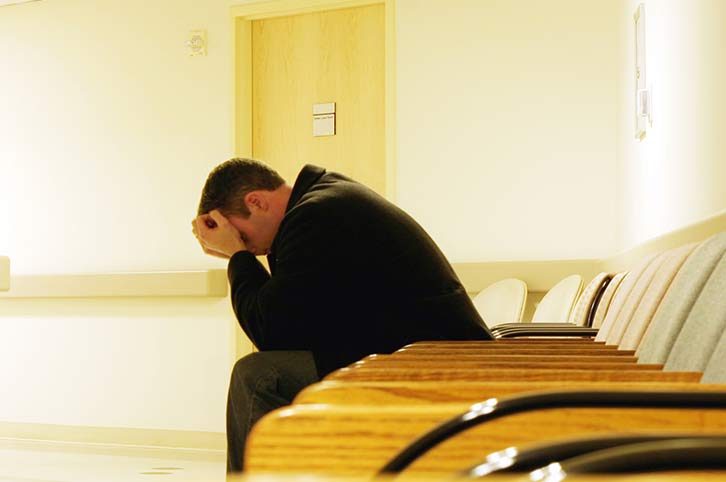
{"x": 506, "y": 125}
{"x": 677, "y": 174}
{"x": 107, "y": 130}
{"x": 126, "y": 362}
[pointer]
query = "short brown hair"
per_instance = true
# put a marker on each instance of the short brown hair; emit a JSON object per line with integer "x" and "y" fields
{"x": 229, "y": 183}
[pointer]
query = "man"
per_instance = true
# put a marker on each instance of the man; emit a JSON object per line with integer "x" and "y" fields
{"x": 351, "y": 275}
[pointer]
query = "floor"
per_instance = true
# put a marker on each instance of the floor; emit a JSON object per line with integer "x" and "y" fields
{"x": 36, "y": 461}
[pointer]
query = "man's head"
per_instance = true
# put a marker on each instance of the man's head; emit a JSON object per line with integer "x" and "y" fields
{"x": 252, "y": 196}
{"x": 230, "y": 182}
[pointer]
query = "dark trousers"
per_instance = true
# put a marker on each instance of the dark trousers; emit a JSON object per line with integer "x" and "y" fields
{"x": 262, "y": 382}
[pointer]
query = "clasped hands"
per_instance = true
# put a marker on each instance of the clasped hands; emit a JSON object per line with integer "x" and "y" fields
{"x": 217, "y": 236}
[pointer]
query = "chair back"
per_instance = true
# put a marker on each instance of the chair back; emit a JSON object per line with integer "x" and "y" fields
{"x": 607, "y": 298}
{"x": 502, "y": 302}
{"x": 704, "y": 327}
{"x": 653, "y": 296}
{"x": 557, "y": 304}
{"x": 621, "y": 296}
{"x": 580, "y": 314}
{"x": 625, "y": 316}
{"x": 678, "y": 301}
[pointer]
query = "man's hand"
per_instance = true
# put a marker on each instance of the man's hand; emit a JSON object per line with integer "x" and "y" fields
{"x": 217, "y": 236}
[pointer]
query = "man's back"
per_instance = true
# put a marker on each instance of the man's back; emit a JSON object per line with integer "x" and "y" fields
{"x": 353, "y": 275}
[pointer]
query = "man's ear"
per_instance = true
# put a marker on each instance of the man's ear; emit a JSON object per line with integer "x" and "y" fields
{"x": 255, "y": 200}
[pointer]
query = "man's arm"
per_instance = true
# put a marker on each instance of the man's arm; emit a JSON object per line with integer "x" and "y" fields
{"x": 278, "y": 312}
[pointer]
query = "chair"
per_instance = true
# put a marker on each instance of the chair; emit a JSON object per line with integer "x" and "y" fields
{"x": 606, "y": 298}
{"x": 704, "y": 328}
{"x": 502, "y": 302}
{"x": 679, "y": 300}
{"x": 585, "y": 304}
{"x": 632, "y": 334}
{"x": 558, "y": 302}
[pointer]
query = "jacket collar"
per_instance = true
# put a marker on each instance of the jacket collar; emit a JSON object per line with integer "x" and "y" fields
{"x": 308, "y": 176}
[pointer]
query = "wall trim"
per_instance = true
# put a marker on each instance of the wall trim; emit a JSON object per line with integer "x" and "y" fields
{"x": 204, "y": 283}
{"x": 208, "y": 446}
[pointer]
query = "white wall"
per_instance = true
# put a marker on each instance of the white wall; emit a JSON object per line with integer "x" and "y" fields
{"x": 107, "y": 132}
{"x": 132, "y": 363}
{"x": 506, "y": 110}
{"x": 677, "y": 174}
{"x": 507, "y": 125}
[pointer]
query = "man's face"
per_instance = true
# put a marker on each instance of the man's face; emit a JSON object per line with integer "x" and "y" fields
{"x": 257, "y": 231}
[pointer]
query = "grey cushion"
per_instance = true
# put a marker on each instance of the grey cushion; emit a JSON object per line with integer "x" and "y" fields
{"x": 621, "y": 296}
{"x": 652, "y": 297}
{"x": 703, "y": 328}
{"x": 679, "y": 299}
{"x": 607, "y": 298}
{"x": 625, "y": 317}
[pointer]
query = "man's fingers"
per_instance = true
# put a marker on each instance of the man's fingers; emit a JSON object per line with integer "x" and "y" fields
{"x": 217, "y": 217}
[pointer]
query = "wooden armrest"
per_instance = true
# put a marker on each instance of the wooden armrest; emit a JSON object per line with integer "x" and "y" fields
{"x": 533, "y": 363}
{"x": 428, "y": 393}
{"x": 361, "y": 439}
{"x": 515, "y": 341}
{"x": 491, "y": 410}
{"x": 520, "y": 350}
{"x": 451, "y": 357}
{"x": 512, "y": 375}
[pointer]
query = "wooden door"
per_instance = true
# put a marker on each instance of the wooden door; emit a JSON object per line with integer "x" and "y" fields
{"x": 332, "y": 56}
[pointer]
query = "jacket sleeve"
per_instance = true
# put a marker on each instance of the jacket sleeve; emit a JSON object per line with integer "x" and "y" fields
{"x": 280, "y": 312}
{"x": 247, "y": 277}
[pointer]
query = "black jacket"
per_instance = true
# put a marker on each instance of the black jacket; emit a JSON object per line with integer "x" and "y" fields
{"x": 352, "y": 275}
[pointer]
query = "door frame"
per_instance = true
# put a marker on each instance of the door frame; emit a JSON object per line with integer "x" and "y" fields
{"x": 242, "y": 17}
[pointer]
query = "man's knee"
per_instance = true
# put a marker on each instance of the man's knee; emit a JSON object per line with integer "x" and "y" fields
{"x": 249, "y": 369}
